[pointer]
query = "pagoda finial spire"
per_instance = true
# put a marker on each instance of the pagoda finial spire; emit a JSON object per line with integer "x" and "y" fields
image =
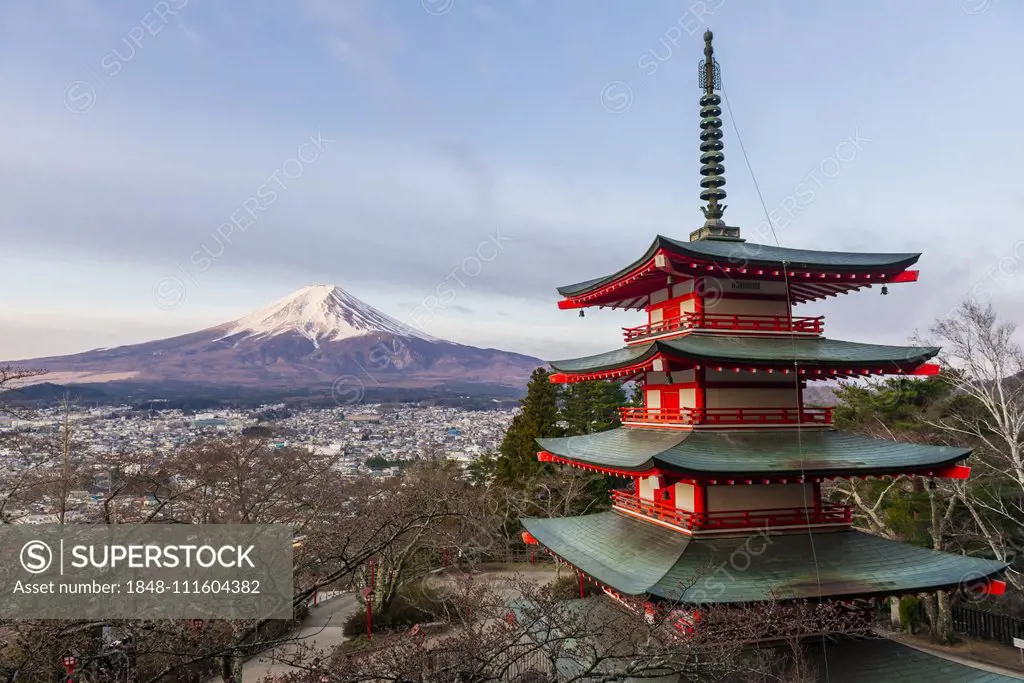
{"x": 711, "y": 157}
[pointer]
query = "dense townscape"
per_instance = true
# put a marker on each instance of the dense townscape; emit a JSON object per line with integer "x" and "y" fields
{"x": 372, "y": 439}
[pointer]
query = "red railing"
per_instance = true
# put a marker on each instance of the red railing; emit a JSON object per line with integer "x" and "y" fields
{"x": 728, "y": 416}
{"x": 724, "y": 321}
{"x": 829, "y": 513}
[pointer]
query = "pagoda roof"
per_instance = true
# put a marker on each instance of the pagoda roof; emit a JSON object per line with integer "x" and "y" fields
{"x": 749, "y": 254}
{"x": 750, "y": 452}
{"x": 860, "y": 658}
{"x": 879, "y": 660}
{"x": 637, "y": 558}
{"x": 779, "y": 351}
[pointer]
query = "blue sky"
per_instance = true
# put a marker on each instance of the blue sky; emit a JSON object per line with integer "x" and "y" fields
{"x": 565, "y": 132}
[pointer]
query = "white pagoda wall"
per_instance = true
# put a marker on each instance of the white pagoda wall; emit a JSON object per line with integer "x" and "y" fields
{"x": 722, "y": 296}
{"x": 684, "y": 496}
{"x": 726, "y": 306}
{"x": 779, "y": 390}
{"x": 718, "y": 300}
{"x": 647, "y": 487}
{"x": 752, "y": 398}
{"x": 726, "y": 498}
{"x": 660, "y": 296}
{"x": 678, "y": 377}
{"x": 656, "y": 310}
{"x": 726, "y": 376}
{"x": 652, "y": 397}
{"x": 655, "y": 396}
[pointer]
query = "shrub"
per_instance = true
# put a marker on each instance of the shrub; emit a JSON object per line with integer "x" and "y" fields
{"x": 910, "y": 613}
{"x": 413, "y": 605}
{"x": 568, "y": 588}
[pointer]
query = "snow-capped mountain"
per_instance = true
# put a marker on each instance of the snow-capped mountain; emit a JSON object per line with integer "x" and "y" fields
{"x": 306, "y": 342}
{"x": 321, "y": 313}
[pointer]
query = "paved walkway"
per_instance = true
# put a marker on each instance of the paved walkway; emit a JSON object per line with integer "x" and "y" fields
{"x": 321, "y": 630}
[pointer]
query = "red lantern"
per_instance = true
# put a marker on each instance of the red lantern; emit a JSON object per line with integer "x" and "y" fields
{"x": 650, "y": 612}
{"x": 69, "y": 662}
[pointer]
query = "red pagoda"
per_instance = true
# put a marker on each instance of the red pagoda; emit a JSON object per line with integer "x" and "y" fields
{"x": 724, "y": 448}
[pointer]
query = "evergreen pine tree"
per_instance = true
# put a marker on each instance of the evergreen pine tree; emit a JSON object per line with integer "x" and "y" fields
{"x": 592, "y": 407}
{"x": 538, "y": 417}
{"x": 608, "y": 398}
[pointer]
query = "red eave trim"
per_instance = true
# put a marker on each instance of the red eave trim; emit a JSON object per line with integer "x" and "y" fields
{"x": 545, "y": 456}
{"x": 816, "y": 284}
{"x": 701, "y": 479}
{"x": 590, "y": 298}
{"x": 618, "y": 373}
{"x": 926, "y": 370}
{"x": 905, "y": 276}
{"x": 955, "y": 472}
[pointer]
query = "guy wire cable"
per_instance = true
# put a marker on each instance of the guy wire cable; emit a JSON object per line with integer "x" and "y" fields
{"x": 796, "y": 373}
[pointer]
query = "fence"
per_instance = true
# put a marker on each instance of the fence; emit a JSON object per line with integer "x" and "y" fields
{"x": 980, "y": 623}
{"x": 517, "y": 664}
{"x": 442, "y": 558}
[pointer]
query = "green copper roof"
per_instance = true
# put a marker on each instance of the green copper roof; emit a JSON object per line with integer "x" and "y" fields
{"x": 886, "y": 661}
{"x": 746, "y": 254}
{"x": 754, "y": 452}
{"x": 848, "y": 659}
{"x": 636, "y": 557}
{"x": 780, "y": 352}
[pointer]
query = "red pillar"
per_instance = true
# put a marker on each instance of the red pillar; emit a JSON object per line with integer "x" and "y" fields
{"x": 698, "y": 301}
{"x": 699, "y": 393}
{"x": 700, "y": 503}
{"x": 581, "y": 584}
{"x": 800, "y": 398}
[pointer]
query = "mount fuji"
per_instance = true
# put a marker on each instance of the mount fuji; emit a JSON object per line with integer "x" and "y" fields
{"x": 303, "y": 344}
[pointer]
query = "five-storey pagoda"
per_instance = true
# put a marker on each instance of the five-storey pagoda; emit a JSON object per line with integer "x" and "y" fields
{"x": 724, "y": 446}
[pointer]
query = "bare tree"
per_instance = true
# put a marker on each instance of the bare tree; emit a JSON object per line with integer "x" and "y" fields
{"x": 343, "y": 523}
{"x": 987, "y": 413}
{"x": 44, "y": 468}
{"x": 11, "y": 378}
{"x": 538, "y": 635}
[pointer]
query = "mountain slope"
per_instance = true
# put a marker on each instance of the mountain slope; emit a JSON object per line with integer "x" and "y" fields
{"x": 311, "y": 339}
{"x": 320, "y": 312}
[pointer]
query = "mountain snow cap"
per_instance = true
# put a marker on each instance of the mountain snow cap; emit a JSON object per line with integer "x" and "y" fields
{"x": 321, "y": 313}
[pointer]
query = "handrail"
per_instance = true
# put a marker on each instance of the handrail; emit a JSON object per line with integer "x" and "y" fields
{"x": 726, "y": 321}
{"x": 828, "y": 513}
{"x": 728, "y": 416}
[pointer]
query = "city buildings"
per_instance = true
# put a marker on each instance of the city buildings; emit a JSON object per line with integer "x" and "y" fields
{"x": 104, "y": 438}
